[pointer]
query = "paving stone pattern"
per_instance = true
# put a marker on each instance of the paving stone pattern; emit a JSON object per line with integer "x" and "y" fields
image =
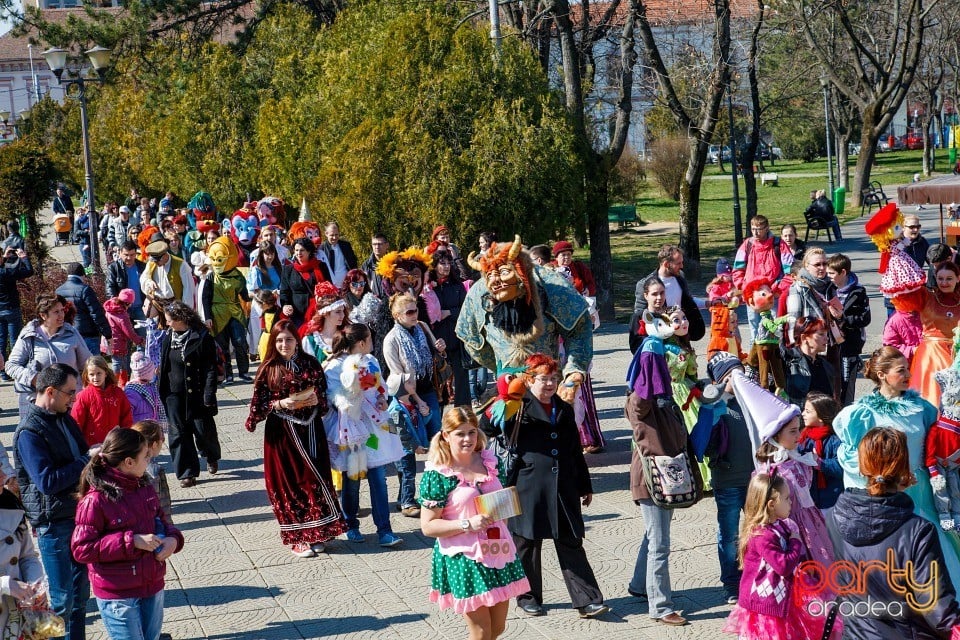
{"x": 234, "y": 579}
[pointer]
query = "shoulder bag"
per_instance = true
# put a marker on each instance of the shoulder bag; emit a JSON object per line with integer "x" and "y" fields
{"x": 670, "y": 480}
{"x": 505, "y": 448}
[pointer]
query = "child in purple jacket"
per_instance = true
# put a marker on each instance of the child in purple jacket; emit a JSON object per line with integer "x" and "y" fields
{"x": 770, "y": 550}
{"x": 124, "y": 537}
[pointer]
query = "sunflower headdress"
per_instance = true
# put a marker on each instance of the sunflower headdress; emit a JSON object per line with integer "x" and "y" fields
{"x": 414, "y": 257}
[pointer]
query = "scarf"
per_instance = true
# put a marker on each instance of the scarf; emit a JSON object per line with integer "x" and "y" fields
{"x": 414, "y": 349}
{"x": 310, "y": 267}
{"x": 818, "y": 434}
{"x": 513, "y": 316}
{"x": 817, "y": 284}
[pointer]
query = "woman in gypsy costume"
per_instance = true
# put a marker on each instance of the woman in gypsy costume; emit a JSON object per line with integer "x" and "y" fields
{"x": 289, "y": 392}
{"x": 579, "y": 275}
{"x": 939, "y": 315}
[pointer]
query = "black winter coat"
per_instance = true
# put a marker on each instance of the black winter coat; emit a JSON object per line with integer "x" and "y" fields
{"x": 863, "y": 528}
{"x": 553, "y": 473}
{"x": 200, "y": 374}
{"x": 297, "y": 292}
{"x": 10, "y": 274}
{"x": 856, "y": 317}
{"x": 805, "y": 375}
{"x": 117, "y": 277}
{"x": 451, "y": 295}
{"x": 91, "y": 321}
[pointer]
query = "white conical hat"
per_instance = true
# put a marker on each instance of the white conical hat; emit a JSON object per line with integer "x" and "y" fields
{"x": 764, "y": 413}
{"x": 304, "y": 212}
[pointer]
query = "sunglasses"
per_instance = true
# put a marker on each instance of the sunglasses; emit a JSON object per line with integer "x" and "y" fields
{"x": 410, "y": 312}
{"x": 912, "y": 226}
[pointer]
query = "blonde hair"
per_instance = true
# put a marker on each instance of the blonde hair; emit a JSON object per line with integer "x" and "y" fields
{"x": 399, "y": 299}
{"x": 439, "y": 453}
{"x": 150, "y": 429}
{"x": 763, "y": 488}
{"x": 813, "y": 251}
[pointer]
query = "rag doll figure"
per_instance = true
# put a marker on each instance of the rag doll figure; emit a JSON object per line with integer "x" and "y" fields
{"x": 942, "y": 449}
{"x": 765, "y": 355}
{"x": 723, "y": 298}
{"x": 362, "y": 403}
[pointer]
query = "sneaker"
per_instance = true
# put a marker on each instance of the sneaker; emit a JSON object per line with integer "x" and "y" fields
{"x": 354, "y": 535}
{"x": 411, "y": 511}
{"x": 228, "y": 380}
{"x": 5, "y": 377}
{"x": 733, "y": 599}
{"x": 245, "y": 378}
{"x": 389, "y": 540}
{"x": 475, "y": 405}
{"x": 318, "y": 547}
{"x": 303, "y": 550}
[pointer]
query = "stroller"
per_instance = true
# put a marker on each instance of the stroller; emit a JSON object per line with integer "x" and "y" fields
{"x": 62, "y": 224}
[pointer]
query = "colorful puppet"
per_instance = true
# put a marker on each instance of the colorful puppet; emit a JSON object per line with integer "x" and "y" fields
{"x": 271, "y": 210}
{"x": 406, "y": 272}
{"x": 362, "y": 403}
{"x": 244, "y": 227}
{"x": 942, "y": 450}
{"x": 201, "y": 207}
{"x": 229, "y": 287}
{"x": 724, "y": 298}
{"x": 765, "y": 353}
{"x": 306, "y": 229}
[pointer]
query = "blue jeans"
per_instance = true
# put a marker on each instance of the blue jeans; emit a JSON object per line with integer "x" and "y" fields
{"x": 753, "y": 319}
{"x": 235, "y": 333}
{"x": 120, "y": 363}
{"x": 93, "y": 345}
{"x": 651, "y": 575}
{"x": 132, "y": 618}
{"x": 407, "y": 472}
{"x": 69, "y": 587}
{"x": 11, "y": 322}
{"x": 379, "y": 502}
{"x": 432, "y": 421}
{"x": 730, "y": 503}
{"x": 478, "y": 382}
{"x": 85, "y": 253}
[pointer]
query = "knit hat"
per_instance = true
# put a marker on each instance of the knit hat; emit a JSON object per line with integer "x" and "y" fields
{"x": 127, "y": 296}
{"x": 141, "y": 368}
{"x": 124, "y": 209}
{"x": 764, "y": 413}
{"x": 437, "y": 230}
{"x": 723, "y": 267}
{"x": 560, "y": 247}
{"x": 903, "y": 275}
{"x": 721, "y": 363}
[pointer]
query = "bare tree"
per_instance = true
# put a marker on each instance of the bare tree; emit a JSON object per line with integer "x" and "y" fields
{"x": 885, "y": 40}
{"x": 944, "y": 32}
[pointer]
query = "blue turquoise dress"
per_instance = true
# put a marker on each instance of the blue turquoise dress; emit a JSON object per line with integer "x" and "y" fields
{"x": 912, "y": 415}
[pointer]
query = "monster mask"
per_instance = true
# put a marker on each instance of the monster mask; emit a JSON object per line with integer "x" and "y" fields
{"x": 269, "y": 210}
{"x": 244, "y": 227}
{"x": 222, "y": 255}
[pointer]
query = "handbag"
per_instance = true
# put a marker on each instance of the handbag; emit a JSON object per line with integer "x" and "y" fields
{"x": 505, "y": 448}
{"x": 670, "y": 480}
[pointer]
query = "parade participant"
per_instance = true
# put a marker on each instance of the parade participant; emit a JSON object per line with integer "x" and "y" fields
{"x": 451, "y": 293}
{"x": 408, "y": 272}
{"x": 166, "y": 278}
{"x": 723, "y": 298}
{"x": 475, "y": 566}
{"x": 940, "y": 315}
{"x": 224, "y": 299}
{"x": 101, "y": 405}
{"x": 124, "y": 537}
{"x": 440, "y": 241}
{"x": 758, "y": 257}
{"x": 321, "y": 329}
{"x": 264, "y": 274}
{"x": 894, "y": 403}
{"x": 289, "y": 393}
{"x": 244, "y": 229}
{"x": 553, "y": 483}
{"x": 188, "y": 387}
{"x": 299, "y": 279}
{"x": 504, "y": 320}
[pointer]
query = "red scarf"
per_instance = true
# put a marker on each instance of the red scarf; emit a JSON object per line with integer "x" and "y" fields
{"x": 310, "y": 267}
{"x": 819, "y": 434}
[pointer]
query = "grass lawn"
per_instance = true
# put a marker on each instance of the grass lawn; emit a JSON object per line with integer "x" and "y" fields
{"x": 635, "y": 249}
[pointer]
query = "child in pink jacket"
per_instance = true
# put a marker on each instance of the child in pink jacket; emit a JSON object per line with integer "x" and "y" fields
{"x": 118, "y": 315}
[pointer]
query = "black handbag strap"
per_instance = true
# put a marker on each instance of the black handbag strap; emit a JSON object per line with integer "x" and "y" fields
{"x": 514, "y": 434}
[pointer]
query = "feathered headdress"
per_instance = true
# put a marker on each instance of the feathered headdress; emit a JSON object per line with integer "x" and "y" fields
{"x": 414, "y": 257}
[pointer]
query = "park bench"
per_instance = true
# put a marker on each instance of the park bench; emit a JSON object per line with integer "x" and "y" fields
{"x": 771, "y": 179}
{"x": 871, "y": 195}
{"x": 623, "y": 215}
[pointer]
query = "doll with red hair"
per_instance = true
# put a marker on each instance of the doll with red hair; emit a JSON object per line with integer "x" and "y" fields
{"x": 765, "y": 355}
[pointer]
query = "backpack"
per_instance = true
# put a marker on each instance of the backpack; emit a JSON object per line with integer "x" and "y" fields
{"x": 776, "y": 251}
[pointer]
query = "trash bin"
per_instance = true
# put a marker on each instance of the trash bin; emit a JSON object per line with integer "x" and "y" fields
{"x": 839, "y": 200}
{"x": 952, "y": 155}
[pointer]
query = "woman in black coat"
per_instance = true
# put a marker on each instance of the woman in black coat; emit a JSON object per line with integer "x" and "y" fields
{"x": 451, "y": 293}
{"x": 878, "y": 525}
{"x": 188, "y": 389}
{"x": 299, "y": 279}
{"x": 553, "y": 481}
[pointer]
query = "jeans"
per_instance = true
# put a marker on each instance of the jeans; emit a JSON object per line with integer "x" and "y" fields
{"x": 132, "y": 618}
{"x": 407, "y": 472}
{"x": 380, "y": 504}
{"x": 85, "y": 253}
{"x": 479, "y": 377}
{"x": 235, "y": 333}
{"x": 93, "y": 345}
{"x": 651, "y": 575}
{"x": 753, "y": 319}
{"x": 11, "y": 322}
{"x": 849, "y": 368}
{"x": 120, "y": 363}
{"x": 433, "y": 420}
{"x": 69, "y": 586}
{"x": 730, "y": 501}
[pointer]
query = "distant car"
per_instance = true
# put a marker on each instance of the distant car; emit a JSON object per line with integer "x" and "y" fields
{"x": 913, "y": 141}
{"x": 853, "y": 149}
{"x": 883, "y": 145}
{"x": 714, "y": 154}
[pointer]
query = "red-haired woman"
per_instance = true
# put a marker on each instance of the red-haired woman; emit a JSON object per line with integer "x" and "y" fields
{"x": 553, "y": 482}
{"x": 289, "y": 392}
{"x": 807, "y": 369}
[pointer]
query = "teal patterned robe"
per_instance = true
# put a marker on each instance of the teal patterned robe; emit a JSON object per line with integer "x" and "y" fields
{"x": 565, "y": 315}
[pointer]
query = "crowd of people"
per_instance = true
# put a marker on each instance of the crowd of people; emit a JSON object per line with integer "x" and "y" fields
{"x": 362, "y": 366}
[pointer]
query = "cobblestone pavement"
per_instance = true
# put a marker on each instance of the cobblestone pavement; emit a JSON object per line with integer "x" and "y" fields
{"x": 234, "y": 579}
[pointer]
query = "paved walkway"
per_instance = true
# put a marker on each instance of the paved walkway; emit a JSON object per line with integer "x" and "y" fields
{"x": 235, "y": 580}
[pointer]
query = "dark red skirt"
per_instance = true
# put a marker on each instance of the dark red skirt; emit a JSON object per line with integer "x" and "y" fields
{"x": 296, "y": 469}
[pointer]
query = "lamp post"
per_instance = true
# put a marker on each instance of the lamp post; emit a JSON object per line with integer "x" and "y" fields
{"x": 73, "y": 80}
{"x": 826, "y": 118}
{"x": 737, "y": 222}
{"x": 6, "y": 126}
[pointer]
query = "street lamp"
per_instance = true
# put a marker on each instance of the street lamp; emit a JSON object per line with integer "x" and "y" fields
{"x": 825, "y": 83}
{"x": 69, "y": 70}
{"x": 5, "y": 125}
{"x": 737, "y": 221}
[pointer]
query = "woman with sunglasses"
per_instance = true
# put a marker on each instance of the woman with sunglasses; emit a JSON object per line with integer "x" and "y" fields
{"x": 813, "y": 295}
{"x": 553, "y": 483}
{"x": 366, "y": 308}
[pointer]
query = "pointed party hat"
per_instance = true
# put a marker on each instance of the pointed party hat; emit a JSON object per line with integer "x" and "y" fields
{"x": 304, "y": 212}
{"x": 764, "y": 413}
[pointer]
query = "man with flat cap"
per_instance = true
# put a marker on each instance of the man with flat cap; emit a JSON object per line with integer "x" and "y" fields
{"x": 167, "y": 277}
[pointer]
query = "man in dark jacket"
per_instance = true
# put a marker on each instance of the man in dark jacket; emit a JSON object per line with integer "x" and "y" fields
{"x": 821, "y": 209}
{"x": 91, "y": 321}
{"x": 380, "y": 247}
{"x": 15, "y": 267}
{"x": 853, "y": 322}
{"x": 50, "y": 454}
{"x": 337, "y": 253}
{"x": 125, "y": 274}
{"x": 678, "y": 293}
{"x": 14, "y": 239}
